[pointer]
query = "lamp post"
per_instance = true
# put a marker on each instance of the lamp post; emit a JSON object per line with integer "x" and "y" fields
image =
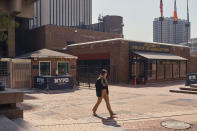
{"x": 188, "y": 23}
{"x": 175, "y": 23}
{"x": 187, "y": 28}
{"x": 161, "y": 20}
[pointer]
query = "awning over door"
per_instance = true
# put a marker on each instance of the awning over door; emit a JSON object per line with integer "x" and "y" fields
{"x": 160, "y": 56}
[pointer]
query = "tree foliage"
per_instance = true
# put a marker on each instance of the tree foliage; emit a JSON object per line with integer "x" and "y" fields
{"x": 5, "y": 24}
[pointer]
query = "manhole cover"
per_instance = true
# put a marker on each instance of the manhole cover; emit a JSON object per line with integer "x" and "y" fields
{"x": 176, "y": 125}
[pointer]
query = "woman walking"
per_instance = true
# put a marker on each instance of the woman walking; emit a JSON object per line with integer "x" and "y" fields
{"x": 102, "y": 92}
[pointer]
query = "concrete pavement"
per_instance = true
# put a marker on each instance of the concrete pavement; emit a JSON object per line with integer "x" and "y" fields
{"x": 141, "y": 108}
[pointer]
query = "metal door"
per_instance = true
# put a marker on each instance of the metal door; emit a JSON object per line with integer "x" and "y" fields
{"x": 21, "y": 74}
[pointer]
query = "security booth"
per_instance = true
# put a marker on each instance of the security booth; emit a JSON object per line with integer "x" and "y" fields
{"x": 52, "y": 70}
{"x": 154, "y": 62}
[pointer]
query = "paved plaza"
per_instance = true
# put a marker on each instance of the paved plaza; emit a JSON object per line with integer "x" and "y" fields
{"x": 140, "y": 108}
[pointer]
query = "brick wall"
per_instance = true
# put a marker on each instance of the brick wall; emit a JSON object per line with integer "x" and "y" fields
{"x": 193, "y": 64}
{"x": 180, "y": 51}
{"x": 56, "y": 37}
{"x": 54, "y": 61}
{"x": 119, "y": 55}
{"x": 183, "y": 52}
{"x": 36, "y": 40}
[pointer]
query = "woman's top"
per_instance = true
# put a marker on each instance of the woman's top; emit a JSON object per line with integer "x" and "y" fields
{"x": 101, "y": 84}
{"x": 104, "y": 82}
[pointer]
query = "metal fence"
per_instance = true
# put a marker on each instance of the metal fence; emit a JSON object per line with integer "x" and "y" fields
{"x": 4, "y": 73}
{"x": 87, "y": 75}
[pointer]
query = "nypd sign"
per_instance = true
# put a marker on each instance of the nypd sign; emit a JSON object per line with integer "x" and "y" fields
{"x": 61, "y": 80}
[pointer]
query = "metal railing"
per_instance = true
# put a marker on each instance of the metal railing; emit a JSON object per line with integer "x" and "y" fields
{"x": 87, "y": 75}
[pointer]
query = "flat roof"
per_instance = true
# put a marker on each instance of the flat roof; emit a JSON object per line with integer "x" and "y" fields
{"x": 117, "y": 39}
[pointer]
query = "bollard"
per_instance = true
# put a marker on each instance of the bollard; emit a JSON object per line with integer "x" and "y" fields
{"x": 135, "y": 82}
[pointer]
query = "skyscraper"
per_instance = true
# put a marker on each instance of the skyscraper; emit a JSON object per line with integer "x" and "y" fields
{"x": 62, "y": 13}
{"x": 168, "y": 31}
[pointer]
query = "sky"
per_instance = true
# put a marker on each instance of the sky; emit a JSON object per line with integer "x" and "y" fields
{"x": 138, "y": 15}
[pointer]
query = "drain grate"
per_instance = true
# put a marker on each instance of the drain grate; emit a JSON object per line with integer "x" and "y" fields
{"x": 176, "y": 125}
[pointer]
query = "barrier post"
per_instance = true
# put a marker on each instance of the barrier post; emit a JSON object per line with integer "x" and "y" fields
{"x": 135, "y": 81}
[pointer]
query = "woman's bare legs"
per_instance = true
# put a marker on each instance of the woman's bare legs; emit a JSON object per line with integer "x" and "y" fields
{"x": 99, "y": 100}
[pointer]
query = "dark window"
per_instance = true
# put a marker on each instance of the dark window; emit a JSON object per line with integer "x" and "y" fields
{"x": 45, "y": 68}
{"x": 63, "y": 68}
{"x": 3, "y": 68}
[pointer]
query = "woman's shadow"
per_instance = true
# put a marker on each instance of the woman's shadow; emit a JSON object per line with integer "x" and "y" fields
{"x": 109, "y": 121}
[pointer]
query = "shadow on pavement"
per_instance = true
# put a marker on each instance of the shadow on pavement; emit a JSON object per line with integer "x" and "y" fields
{"x": 28, "y": 97}
{"x": 39, "y": 91}
{"x": 25, "y": 106}
{"x": 110, "y": 121}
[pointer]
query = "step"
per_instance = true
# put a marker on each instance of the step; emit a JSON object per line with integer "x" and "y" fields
{"x": 189, "y": 89}
{"x": 11, "y": 96}
{"x": 193, "y": 85}
{"x": 25, "y": 125}
{"x": 8, "y": 125}
{"x": 183, "y": 91}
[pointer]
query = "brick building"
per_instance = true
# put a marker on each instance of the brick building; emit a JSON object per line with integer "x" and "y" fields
{"x": 51, "y": 63}
{"x": 127, "y": 60}
{"x": 57, "y": 37}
